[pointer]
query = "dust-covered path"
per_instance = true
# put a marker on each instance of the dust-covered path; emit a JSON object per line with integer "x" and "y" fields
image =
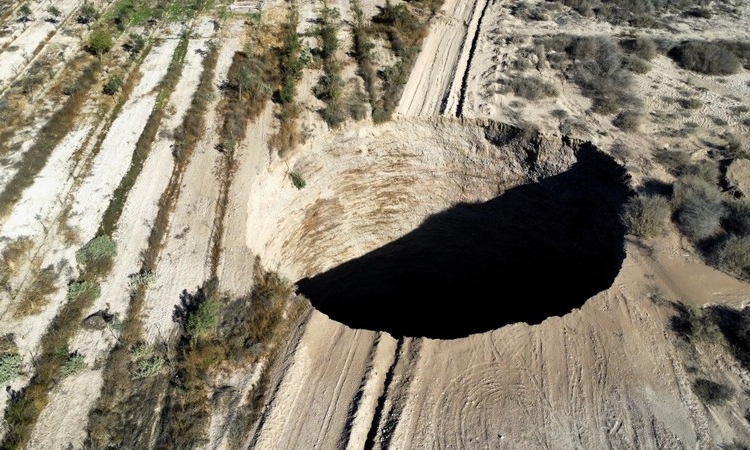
{"x": 435, "y": 83}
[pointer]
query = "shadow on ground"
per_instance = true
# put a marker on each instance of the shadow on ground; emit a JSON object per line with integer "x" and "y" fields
{"x": 535, "y": 251}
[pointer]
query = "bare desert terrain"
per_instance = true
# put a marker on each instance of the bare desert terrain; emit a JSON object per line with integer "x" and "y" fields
{"x": 371, "y": 224}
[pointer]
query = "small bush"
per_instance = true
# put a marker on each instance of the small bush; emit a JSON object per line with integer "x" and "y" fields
{"x": 202, "y": 322}
{"x": 702, "y": 13}
{"x": 705, "y": 57}
{"x": 673, "y": 160}
{"x": 85, "y": 291}
{"x": 636, "y": 64}
{"x": 643, "y": 47}
{"x": 136, "y": 280}
{"x": 10, "y": 367}
{"x": 646, "y": 215}
{"x": 690, "y": 103}
{"x": 700, "y": 208}
{"x": 737, "y": 219}
{"x": 24, "y": 13}
{"x": 135, "y": 44}
{"x": 113, "y": 85}
{"x": 712, "y": 393}
{"x": 54, "y": 11}
{"x": 705, "y": 170}
{"x": 733, "y": 256}
{"x": 297, "y": 180}
{"x": 73, "y": 364}
{"x": 602, "y": 74}
{"x": 627, "y": 121}
{"x": 334, "y": 114}
{"x": 36, "y": 294}
{"x": 96, "y": 256}
{"x": 100, "y": 42}
{"x": 146, "y": 361}
{"x": 695, "y": 323}
{"x": 532, "y": 88}
{"x": 87, "y": 13}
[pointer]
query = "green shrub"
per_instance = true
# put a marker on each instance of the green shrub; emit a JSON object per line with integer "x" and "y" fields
{"x": 146, "y": 361}
{"x": 10, "y": 367}
{"x": 334, "y": 114}
{"x": 202, "y": 321}
{"x": 87, "y": 13}
{"x": 85, "y": 291}
{"x": 100, "y": 42}
{"x": 54, "y": 11}
{"x": 329, "y": 87}
{"x": 712, "y": 393}
{"x": 705, "y": 57}
{"x": 297, "y": 180}
{"x": 96, "y": 256}
{"x": 74, "y": 363}
{"x": 24, "y": 13}
{"x": 136, "y": 280}
{"x": 646, "y": 215}
{"x": 135, "y": 44}
{"x": 113, "y": 85}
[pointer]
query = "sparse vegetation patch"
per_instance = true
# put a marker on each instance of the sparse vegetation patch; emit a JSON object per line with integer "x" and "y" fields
{"x": 647, "y": 215}
{"x": 712, "y": 393}
{"x": 705, "y": 57}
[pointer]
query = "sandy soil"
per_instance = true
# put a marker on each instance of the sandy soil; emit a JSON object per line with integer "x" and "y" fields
{"x": 91, "y": 198}
{"x": 608, "y": 374}
{"x": 666, "y": 123}
{"x": 132, "y": 234}
{"x": 434, "y": 86}
{"x": 42, "y": 200}
{"x": 184, "y": 262}
{"x": 24, "y": 46}
{"x": 554, "y": 385}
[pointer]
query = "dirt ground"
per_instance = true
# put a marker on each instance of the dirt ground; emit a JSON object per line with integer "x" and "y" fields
{"x": 608, "y": 372}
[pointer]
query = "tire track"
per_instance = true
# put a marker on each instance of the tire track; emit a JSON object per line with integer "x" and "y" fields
{"x": 398, "y": 381}
{"x": 474, "y": 30}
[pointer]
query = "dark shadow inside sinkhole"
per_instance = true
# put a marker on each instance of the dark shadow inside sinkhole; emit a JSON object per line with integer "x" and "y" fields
{"x": 538, "y": 250}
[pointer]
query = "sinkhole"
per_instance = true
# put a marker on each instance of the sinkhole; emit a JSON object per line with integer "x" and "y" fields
{"x": 452, "y": 233}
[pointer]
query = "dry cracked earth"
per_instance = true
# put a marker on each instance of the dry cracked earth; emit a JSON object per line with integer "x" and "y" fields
{"x": 315, "y": 225}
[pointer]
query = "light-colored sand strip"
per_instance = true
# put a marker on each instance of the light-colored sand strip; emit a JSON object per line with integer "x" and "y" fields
{"x": 311, "y": 406}
{"x": 184, "y": 262}
{"x": 385, "y": 352}
{"x": 113, "y": 159}
{"x": 43, "y": 199}
{"x": 236, "y": 265}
